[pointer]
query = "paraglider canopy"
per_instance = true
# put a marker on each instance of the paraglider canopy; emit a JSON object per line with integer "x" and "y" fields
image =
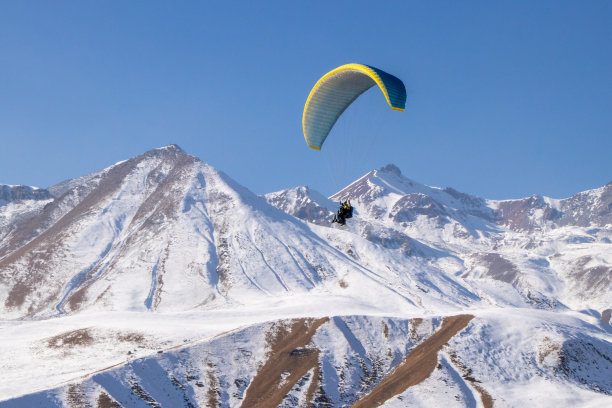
{"x": 337, "y": 89}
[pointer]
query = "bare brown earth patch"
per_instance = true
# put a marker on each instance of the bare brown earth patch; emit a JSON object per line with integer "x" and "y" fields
{"x": 75, "y": 396}
{"x": 606, "y": 315}
{"x": 131, "y": 337}
{"x": 289, "y": 360}
{"x": 414, "y": 325}
{"x": 77, "y": 298}
{"x": 485, "y": 397}
{"x": 496, "y": 267}
{"x": 80, "y": 337}
{"x": 212, "y": 395}
{"x": 417, "y": 366}
{"x": 314, "y": 383}
{"x": 104, "y": 401}
{"x": 17, "y": 295}
{"x": 548, "y": 348}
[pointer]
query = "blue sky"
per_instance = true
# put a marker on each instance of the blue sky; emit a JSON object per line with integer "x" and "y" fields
{"x": 505, "y": 99}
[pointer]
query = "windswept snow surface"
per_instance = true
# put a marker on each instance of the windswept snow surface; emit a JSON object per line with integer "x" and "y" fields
{"x": 160, "y": 281}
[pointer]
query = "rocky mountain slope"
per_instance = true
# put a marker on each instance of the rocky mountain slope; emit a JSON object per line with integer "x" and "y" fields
{"x": 163, "y": 231}
{"x": 160, "y": 281}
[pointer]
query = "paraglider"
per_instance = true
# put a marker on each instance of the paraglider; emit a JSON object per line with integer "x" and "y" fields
{"x": 337, "y": 89}
{"x": 330, "y": 97}
{"x": 345, "y": 211}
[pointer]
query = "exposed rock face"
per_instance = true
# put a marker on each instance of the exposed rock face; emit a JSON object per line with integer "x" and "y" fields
{"x": 20, "y": 193}
{"x": 606, "y": 315}
{"x": 304, "y": 203}
{"x": 589, "y": 275}
{"x": 496, "y": 267}
{"x": 589, "y": 208}
{"x": 526, "y": 214}
{"x": 410, "y": 206}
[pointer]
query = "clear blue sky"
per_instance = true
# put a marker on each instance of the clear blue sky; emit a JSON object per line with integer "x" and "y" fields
{"x": 505, "y": 99}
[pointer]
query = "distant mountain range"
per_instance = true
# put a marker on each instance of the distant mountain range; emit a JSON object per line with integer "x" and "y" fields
{"x": 166, "y": 237}
{"x": 553, "y": 252}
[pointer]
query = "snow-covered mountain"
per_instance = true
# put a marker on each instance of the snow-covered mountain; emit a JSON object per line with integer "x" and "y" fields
{"x": 553, "y": 253}
{"x": 160, "y": 281}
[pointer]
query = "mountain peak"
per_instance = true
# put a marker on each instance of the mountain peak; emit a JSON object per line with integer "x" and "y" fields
{"x": 391, "y": 168}
{"x": 171, "y": 152}
{"x": 171, "y": 147}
